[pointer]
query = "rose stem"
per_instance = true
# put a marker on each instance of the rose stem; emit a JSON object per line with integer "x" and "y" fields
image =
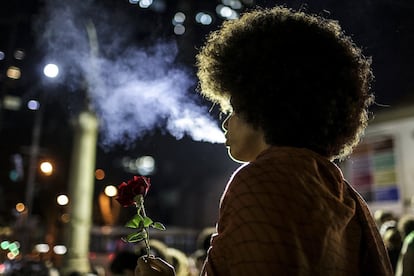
{"x": 147, "y": 246}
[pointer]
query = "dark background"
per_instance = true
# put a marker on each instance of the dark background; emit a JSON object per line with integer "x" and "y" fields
{"x": 189, "y": 176}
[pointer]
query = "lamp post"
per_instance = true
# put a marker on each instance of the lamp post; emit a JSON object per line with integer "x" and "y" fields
{"x": 81, "y": 181}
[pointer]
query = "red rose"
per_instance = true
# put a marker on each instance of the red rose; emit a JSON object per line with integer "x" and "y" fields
{"x": 139, "y": 185}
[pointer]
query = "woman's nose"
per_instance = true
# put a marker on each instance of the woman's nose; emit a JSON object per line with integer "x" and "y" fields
{"x": 225, "y": 122}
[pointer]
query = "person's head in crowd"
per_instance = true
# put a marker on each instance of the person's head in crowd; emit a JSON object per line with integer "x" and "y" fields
{"x": 382, "y": 216}
{"x": 406, "y": 225}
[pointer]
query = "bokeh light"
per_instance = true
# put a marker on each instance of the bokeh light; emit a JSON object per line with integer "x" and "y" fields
{"x": 179, "y": 29}
{"x": 62, "y": 200}
{"x": 145, "y": 3}
{"x": 33, "y": 105}
{"x": 13, "y": 72}
{"x": 179, "y": 18}
{"x": 60, "y": 249}
{"x": 204, "y": 18}
{"x": 99, "y": 174}
{"x": 42, "y": 248}
{"x": 145, "y": 165}
{"x": 111, "y": 191}
{"x": 51, "y": 70}
{"x": 19, "y": 54}
{"x": 20, "y": 207}
{"x": 46, "y": 168}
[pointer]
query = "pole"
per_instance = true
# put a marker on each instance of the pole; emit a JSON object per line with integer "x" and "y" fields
{"x": 81, "y": 184}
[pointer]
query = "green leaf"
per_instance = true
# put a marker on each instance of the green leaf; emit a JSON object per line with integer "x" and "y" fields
{"x": 158, "y": 225}
{"x": 136, "y": 222}
{"x": 136, "y": 237}
{"x": 147, "y": 221}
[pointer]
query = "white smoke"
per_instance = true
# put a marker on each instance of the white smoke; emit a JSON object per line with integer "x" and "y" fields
{"x": 134, "y": 89}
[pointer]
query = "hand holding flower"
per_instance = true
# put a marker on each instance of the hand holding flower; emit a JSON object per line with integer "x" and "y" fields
{"x": 148, "y": 266}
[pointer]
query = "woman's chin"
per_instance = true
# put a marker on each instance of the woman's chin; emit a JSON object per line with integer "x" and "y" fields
{"x": 234, "y": 156}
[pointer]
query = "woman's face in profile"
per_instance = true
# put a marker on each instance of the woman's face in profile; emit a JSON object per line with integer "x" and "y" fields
{"x": 244, "y": 142}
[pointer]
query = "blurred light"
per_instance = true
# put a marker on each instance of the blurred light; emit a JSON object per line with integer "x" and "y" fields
{"x": 59, "y": 249}
{"x": 65, "y": 218}
{"x": 12, "y": 102}
{"x": 62, "y": 200}
{"x": 226, "y": 12}
{"x": 20, "y": 207}
{"x": 51, "y": 70}
{"x": 46, "y": 167}
{"x": 145, "y": 165}
{"x": 111, "y": 190}
{"x": 2, "y": 268}
{"x": 19, "y": 54}
{"x": 42, "y": 248}
{"x": 145, "y": 3}
{"x": 33, "y": 105}
{"x": 2, "y": 55}
{"x": 14, "y": 246}
{"x": 11, "y": 256}
{"x": 14, "y": 175}
{"x": 92, "y": 255}
{"x": 14, "y": 73}
{"x": 4, "y": 245}
{"x": 17, "y": 162}
{"x": 99, "y": 174}
{"x": 179, "y": 29}
{"x": 133, "y": 1}
{"x": 204, "y": 18}
{"x": 159, "y": 6}
{"x": 235, "y": 4}
{"x": 179, "y": 18}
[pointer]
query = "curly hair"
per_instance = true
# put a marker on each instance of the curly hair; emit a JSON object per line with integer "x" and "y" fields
{"x": 296, "y": 76}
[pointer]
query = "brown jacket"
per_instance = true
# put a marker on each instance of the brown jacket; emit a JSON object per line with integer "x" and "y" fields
{"x": 290, "y": 212}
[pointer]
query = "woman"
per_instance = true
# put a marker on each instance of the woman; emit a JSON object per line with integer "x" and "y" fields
{"x": 297, "y": 90}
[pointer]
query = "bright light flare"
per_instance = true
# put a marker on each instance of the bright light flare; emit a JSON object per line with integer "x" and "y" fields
{"x": 51, "y": 70}
{"x": 111, "y": 191}
{"x": 46, "y": 168}
{"x": 60, "y": 249}
{"x": 62, "y": 200}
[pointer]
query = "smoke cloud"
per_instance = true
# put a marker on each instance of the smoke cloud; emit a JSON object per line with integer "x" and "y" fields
{"x": 134, "y": 89}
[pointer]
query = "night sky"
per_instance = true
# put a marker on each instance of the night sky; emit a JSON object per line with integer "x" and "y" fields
{"x": 190, "y": 175}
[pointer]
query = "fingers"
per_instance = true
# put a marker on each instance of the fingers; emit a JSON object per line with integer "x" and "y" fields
{"x": 153, "y": 266}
